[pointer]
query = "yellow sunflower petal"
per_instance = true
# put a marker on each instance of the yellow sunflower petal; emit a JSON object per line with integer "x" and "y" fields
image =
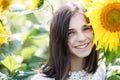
{"x": 3, "y": 34}
{"x": 116, "y": 41}
{"x": 105, "y": 40}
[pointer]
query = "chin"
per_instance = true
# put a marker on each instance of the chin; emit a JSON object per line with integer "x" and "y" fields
{"x": 83, "y": 54}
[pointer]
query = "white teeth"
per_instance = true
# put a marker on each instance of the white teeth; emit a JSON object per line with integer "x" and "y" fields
{"x": 81, "y": 46}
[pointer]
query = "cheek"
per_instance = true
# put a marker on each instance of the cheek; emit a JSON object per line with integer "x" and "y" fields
{"x": 70, "y": 41}
{"x": 90, "y": 35}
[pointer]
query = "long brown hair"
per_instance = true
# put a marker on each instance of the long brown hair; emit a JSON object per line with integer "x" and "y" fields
{"x": 59, "y": 63}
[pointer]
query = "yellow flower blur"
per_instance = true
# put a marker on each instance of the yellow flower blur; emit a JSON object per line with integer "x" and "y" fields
{"x": 35, "y": 4}
{"x": 4, "y": 4}
{"x": 87, "y": 3}
{"x": 32, "y": 4}
{"x": 104, "y": 16}
{"x": 3, "y": 34}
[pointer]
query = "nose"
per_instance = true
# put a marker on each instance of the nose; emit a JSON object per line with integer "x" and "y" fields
{"x": 81, "y": 37}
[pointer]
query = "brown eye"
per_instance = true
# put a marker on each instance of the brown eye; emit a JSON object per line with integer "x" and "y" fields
{"x": 70, "y": 33}
{"x": 86, "y": 27}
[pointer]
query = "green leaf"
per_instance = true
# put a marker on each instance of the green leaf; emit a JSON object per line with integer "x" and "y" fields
{"x": 27, "y": 52}
{"x": 39, "y": 31}
{"x": 32, "y": 18}
{"x": 114, "y": 77}
{"x": 34, "y": 34}
{"x": 41, "y": 2}
{"x": 118, "y": 52}
{"x": 35, "y": 62}
{"x": 4, "y": 51}
{"x": 41, "y": 40}
{"x": 23, "y": 75}
{"x": 10, "y": 63}
{"x": 111, "y": 56}
{"x": 14, "y": 46}
{"x": 9, "y": 48}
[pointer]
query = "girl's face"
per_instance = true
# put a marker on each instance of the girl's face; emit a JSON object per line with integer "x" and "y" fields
{"x": 80, "y": 36}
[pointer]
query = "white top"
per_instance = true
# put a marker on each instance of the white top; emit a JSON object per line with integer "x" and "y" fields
{"x": 100, "y": 74}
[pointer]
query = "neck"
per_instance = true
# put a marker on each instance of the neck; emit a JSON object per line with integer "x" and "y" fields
{"x": 77, "y": 63}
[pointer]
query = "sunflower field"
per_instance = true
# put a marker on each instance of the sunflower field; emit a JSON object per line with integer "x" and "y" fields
{"x": 24, "y": 31}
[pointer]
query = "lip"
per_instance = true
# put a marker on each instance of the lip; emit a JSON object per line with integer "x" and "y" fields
{"x": 82, "y": 46}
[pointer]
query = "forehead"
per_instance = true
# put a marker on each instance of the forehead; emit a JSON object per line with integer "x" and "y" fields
{"x": 77, "y": 20}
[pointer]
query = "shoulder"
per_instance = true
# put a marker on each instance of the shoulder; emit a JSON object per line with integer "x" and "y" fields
{"x": 101, "y": 71}
{"x": 101, "y": 67}
{"x": 41, "y": 76}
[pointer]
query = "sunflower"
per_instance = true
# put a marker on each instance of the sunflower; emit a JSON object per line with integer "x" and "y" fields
{"x": 104, "y": 16}
{"x": 3, "y": 34}
{"x": 4, "y": 4}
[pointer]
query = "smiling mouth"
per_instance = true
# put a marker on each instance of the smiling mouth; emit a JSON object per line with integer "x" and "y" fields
{"x": 82, "y": 46}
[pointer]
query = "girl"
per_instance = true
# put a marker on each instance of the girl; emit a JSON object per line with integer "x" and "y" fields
{"x": 72, "y": 54}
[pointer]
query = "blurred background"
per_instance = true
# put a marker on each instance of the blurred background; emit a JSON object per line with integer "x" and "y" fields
{"x": 24, "y": 31}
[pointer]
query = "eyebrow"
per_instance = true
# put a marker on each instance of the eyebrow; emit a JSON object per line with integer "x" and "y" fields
{"x": 82, "y": 26}
{"x": 73, "y": 28}
{"x": 70, "y": 29}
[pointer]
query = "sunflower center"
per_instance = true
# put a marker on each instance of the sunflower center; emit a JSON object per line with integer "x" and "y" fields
{"x": 110, "y": 17}
{"x": 114, "y": 17}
